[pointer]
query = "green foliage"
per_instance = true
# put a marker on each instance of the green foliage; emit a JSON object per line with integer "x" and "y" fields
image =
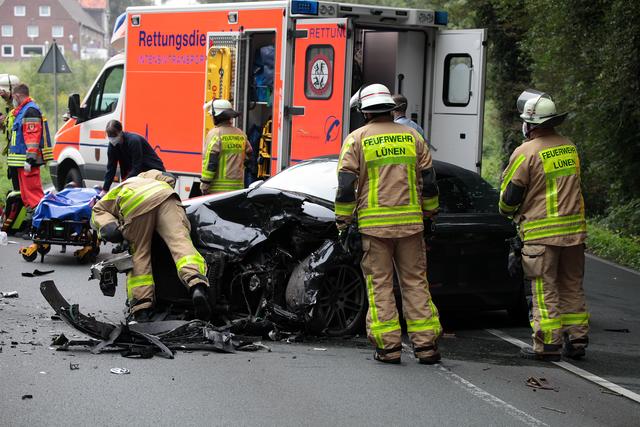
{"x": 623, "y": 219}
{"x": 613, "y": 246}
{"x": 492, "y": 154}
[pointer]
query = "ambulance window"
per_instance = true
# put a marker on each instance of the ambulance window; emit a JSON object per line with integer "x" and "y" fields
{"x": 457, "y": 80}
{"x": 318, "y": 82}
{"x": 106, "y": 93}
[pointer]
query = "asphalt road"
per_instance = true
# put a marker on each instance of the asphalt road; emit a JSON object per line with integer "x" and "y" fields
{"x": 320, "y": 382}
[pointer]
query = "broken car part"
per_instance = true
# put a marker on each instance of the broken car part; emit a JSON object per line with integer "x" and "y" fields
{"x": 107, "y": 272}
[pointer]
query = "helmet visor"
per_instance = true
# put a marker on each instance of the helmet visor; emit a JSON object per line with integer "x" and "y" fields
{"x": 527, "y": 95}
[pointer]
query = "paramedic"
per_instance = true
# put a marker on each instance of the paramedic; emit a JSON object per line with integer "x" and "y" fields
{"x": 30, "y": 147}
{"x": 129, "y": 150}
{"x": 227, "y": 151}
{"x": 387, "y": 184}
{"x": 541, "y": 190}
{"x": 134, "y": 210}
{"x": 400, "y": 114}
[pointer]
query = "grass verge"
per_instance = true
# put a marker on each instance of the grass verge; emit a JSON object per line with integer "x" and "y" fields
{"x": 623, "y": 250}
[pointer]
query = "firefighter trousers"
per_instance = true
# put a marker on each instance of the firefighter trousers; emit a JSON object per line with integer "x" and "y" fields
{"x": 558, "y": 306}
{"x": 170, "y": 222}
{"x": 409, "y": 257}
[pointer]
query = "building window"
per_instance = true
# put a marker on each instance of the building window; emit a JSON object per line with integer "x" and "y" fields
{"x": 45, "y": 10}
{"x": 32, "y": 50}
{"x": 7, "y": 31}
{"x": 19, "y": 10}
{"x": 33, "y": 31}
{"x": 7, "y": 50}
{"x": 57, "y": 31}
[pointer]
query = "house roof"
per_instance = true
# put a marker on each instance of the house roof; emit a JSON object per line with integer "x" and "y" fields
{"x": 76, "y": 11}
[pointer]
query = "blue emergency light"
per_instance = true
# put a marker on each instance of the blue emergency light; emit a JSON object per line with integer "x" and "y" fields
{"x": 304, "y": 7}
{"x": 442, "y": 18}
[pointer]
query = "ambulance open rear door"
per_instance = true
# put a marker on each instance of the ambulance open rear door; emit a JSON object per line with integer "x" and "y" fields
{"x": 458, "y": 97}
{"x": 319, "y": 86}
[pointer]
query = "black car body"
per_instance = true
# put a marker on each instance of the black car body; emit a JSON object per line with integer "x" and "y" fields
{"x": 274, "y": 256}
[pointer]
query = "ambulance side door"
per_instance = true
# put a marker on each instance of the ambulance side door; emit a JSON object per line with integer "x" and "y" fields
{"x": 458, "y": 97}
{"x": 319, "y": 79}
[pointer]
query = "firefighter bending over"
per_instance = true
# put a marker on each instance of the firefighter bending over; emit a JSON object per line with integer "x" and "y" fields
{"x": 227, "y": 151}
{"x": 134, "y": 210}
{"x": 541, "y": 190}
{"x": 387, "y": 182}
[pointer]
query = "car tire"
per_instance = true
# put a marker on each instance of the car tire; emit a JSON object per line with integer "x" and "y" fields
{"x": 341, "y": 302}
{"x": 73, "y": 176}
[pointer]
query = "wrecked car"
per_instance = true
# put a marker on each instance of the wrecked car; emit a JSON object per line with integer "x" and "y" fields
{"x": 274, "y": 257}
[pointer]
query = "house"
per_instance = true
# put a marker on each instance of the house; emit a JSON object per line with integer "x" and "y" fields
{"x": 28, "y": 28}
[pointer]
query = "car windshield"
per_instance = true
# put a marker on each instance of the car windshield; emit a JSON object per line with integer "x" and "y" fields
{"x": 318, "y": 179}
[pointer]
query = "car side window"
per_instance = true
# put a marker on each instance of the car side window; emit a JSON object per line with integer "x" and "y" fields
{"x": 106, "y": 94}
{"x": 466, "y": 194}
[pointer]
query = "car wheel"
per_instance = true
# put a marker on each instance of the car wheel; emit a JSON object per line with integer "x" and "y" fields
{"x": 341, "y": 303}
{"x": 73, "y": 176}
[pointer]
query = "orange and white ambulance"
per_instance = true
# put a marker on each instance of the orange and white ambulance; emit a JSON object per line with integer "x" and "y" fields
{"x": 290, "y": 67}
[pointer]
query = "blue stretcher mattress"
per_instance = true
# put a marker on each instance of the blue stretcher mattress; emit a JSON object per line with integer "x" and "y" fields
{"x": 69, "y": 204}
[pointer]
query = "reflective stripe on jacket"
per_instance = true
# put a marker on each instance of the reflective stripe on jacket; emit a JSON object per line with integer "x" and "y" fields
{"x": 134, "y": 197}
{"x": 223, "y": 162}
{"x": 541, "y": 190}
{"x": 20, "y": 148}
{"x": 389, "y": 163}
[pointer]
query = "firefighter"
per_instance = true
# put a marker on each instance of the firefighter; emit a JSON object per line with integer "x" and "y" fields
{"x": 227, "y": 151}
{"x": 30, "y": 147}
{"x": 134, "y": 210}
{"x": 541, "y": 190}
{"x": 7, "y": 82}
{"x": 129, "y": 150}
{"x": 387, "y": 184}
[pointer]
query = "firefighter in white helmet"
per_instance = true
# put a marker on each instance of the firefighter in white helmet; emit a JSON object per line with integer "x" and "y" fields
{"x": 227, "y": 151}
{"x": 386, "y": 186}
{"x": 541, "y": 190}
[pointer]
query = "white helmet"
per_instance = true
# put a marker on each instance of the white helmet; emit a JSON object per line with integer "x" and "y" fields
{"x": 374, "y": 98}
{"x": 538, "y": 109}
{"x": 218, "y": 106}
{"x": 8, "y": 81}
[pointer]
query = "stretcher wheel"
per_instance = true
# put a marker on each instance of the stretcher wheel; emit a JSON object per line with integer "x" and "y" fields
{"x": 44, "y": 249}
{"x": 30, "y": 258}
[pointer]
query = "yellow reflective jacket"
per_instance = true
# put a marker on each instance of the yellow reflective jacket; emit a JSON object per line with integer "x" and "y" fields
{"x": 134, "y": 197}
{"x": 541, "y": 190}
{"x": 389, "y": 167}
{"x": 223, "y": 161}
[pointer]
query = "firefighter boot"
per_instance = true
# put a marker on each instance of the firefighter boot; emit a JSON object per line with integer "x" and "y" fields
{"x": 383, "y": 355}
{"x": 143, "y": 315}
{"x": 200, "y": 301}
{"x": 433, "y": 358}
{"x": 528, "y": 353}
{"x": 572, "y": 351}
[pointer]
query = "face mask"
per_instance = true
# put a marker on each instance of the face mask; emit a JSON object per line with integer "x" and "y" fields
{"x": 15, "y": 103}
{"x": 113, "y": 140}
{"x": 525, "y": 130}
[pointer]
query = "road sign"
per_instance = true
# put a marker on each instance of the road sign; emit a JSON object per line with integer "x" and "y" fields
{"x": 54, "y": 61}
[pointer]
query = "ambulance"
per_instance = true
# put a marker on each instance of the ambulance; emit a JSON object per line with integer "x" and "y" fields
{"x": 290, "y": 68}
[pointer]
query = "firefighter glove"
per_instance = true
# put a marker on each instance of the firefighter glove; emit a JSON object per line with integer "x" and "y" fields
{"x": 27, "y": 167}
{"x": 111, "y": 233}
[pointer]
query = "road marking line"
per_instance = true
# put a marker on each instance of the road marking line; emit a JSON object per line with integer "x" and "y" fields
{"x": 490, "y": 398}
{"x": 572, "y": 368}
{"x": 613, "y": 264}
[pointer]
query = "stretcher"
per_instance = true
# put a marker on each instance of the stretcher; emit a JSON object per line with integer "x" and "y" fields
{"x": 64, "y": 219}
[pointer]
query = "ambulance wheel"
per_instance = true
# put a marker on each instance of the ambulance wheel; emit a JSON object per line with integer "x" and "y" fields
{"x": 30, "y": 258}
{"x": 73, "y": 176}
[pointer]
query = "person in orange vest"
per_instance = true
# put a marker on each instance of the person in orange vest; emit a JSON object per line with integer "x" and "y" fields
{"x": 227, "y": 151}
{"x": 387, "y": 185}
{"x": 541, "y": 190}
